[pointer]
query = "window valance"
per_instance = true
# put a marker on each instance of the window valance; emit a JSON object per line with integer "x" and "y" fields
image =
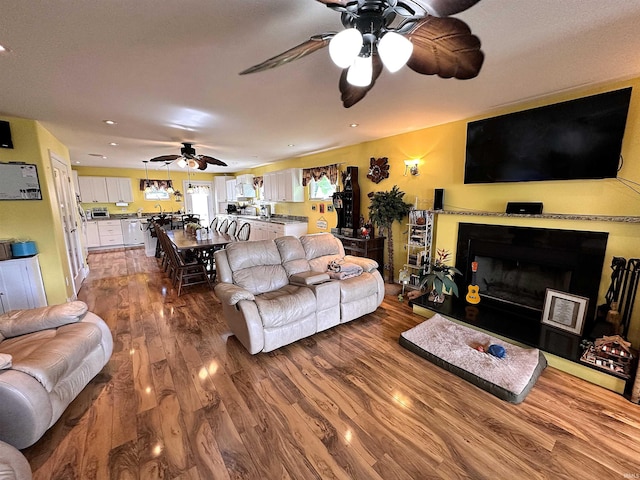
{"x": 156, "y": 184}
{"x": 330, "y": 171}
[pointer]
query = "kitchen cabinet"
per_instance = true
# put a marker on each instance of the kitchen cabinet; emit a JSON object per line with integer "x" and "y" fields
{"x": 21, "y": 284}
{"x": 231, "y": 190}
{"x": 119, "y": 189}
{"x": 93, "y": 189}
{"x": 93, "y": 236}
{"x": 110, "y": 232}
{"x": 284, "y": 185}
{"x": 261, "y": 230}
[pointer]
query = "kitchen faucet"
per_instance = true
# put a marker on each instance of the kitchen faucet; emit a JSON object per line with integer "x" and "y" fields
{"x": 157, "y": 205}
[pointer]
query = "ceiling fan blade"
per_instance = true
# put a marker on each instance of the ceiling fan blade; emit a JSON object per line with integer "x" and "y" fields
{"x": 444, "y": 8}
{"x": 341, "y": 3}
{"x": 352, "y": 94}
{"x": 212, "y": 161}
{"x": 165, "y": 158}
{"x": 445, "y": 47}
{"x": 305, "y": 48}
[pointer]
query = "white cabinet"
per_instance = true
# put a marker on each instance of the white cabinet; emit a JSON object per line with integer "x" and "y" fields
{"x": 119, "y": 190}
{"x": 269, "y": 230}
{"x": 284, "y": 186}
{"x": 93, "y": 236}
{"x": 93, "y": 189}
{"x": 21, "y": 284}
{"x": 220, "y": 188}
{"x": 231, "y": 190}
{"x": 110, "y": 233}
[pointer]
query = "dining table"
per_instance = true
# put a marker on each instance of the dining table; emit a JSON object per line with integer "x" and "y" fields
{"x": 190, "y": 247}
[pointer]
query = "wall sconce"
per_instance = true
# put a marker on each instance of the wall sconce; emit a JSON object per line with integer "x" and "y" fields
{"x": 412, "y": 166}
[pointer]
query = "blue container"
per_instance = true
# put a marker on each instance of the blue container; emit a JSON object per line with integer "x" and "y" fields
{"x": 23, "y": 249}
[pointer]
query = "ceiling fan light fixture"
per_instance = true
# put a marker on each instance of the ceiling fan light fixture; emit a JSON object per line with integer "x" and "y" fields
{"x": 361, "y": 71}
{"x": 345, "y": 47}
{"x": 395, "y": 51}
{"x": 191, "y": 163}
{"x": 182, "y": 163}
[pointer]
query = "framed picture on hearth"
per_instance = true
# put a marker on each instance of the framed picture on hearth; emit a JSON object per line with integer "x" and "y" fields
{"x": 565, "y": 311}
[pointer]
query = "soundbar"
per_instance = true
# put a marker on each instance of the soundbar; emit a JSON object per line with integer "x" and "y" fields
{"x": 525, "y": 208}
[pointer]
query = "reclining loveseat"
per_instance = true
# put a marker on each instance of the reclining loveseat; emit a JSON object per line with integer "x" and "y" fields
{"x": 275, "y": 292}
{"x": 47, "y": 356}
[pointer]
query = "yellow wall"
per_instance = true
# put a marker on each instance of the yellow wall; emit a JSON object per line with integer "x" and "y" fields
{"x": 442, "y": 153}
{"x": 36, "y": 220}
{"x": 148, "y": 206}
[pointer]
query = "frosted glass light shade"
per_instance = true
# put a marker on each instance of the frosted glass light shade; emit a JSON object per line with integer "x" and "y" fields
{"x": 182, "y": 163}
{"x": 395, "y": 51}
{"x": 345, "y": 47}
{"x": 360, "y": 72}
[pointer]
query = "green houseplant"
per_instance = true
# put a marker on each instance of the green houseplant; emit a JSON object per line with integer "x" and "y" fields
{"x": 384, "y": 209}
{"x": 438, "y": 279}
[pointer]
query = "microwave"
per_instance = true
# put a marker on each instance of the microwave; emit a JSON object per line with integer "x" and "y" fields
{"x": 99, "y": 212}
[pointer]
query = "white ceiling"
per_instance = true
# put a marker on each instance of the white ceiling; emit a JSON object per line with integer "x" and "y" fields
{"x": 167, "y": 71}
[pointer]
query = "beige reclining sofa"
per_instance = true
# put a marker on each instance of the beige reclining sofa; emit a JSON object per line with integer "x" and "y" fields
{"x": 47, "y": 356}
{"x": 274, "y": 292}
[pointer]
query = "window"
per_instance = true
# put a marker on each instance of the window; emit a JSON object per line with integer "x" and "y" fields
{"x": 321, "y": 189}
{"x": 157, "y": 195}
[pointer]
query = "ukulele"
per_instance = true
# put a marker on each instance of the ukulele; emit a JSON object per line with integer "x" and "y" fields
{"x": 473, "y": 296}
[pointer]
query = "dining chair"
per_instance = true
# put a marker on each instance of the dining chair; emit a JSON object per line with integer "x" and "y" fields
{"x": 186, "y": 273}
{"x": 222, "y": 227}
{"x": 231, "y": 229}
{"x": 243, "y": 232}
{"x": 213, "y": 226}
{"x": 159, "y": 222}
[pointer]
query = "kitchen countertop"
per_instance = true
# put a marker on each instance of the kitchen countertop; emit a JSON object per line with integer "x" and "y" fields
{"x": 274, "y": 219}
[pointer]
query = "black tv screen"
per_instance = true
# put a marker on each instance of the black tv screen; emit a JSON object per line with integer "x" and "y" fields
{"x": 578, "y": 139}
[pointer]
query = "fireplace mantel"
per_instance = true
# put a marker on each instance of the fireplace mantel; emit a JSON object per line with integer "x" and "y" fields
{"x": 551, "y": 216}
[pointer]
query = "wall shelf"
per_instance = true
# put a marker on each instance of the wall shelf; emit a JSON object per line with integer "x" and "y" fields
{"x": 550, "y": 216}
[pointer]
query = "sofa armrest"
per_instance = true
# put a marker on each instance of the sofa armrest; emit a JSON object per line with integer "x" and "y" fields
{"x": 21, "y": 322}
{"x": 367, "y": 264}
{"x": 13, "y": 465}
{"x": 231, "y": 294}
{"x": 308, "y": 278}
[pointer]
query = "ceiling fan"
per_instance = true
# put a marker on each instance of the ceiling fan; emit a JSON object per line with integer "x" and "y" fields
{"x": 418, "y": 33}
{"x": 188, "y": 157}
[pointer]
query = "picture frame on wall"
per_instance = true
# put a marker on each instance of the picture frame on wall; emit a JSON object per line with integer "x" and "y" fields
{"x": 565, "y": 311}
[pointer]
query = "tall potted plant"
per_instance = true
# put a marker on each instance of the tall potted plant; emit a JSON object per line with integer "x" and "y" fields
{"x": 384, "y": 209}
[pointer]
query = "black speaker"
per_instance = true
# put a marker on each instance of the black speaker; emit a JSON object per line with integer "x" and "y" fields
{"x": 526, "y": 208}
{"x": 5, "y": 135}
{"x": 438, "y": 199}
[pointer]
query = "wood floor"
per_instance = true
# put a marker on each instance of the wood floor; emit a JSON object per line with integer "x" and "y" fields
{"x": 182, "y": 399}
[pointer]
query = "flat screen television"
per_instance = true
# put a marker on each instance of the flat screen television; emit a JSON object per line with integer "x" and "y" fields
{"x": 578, "y": 139}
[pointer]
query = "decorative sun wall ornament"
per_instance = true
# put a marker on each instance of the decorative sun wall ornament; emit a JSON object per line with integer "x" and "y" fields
{"x": 378, "y": 169}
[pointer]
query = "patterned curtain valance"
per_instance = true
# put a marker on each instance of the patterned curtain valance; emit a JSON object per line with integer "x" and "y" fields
{"x": 258, "y": 182}
{"x": 156, "y": 184}
{"x": 331, "y": 171}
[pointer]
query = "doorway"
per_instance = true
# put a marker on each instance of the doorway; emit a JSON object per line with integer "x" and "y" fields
{"x": 199, "y": 202}
{"x": 67, "y": 206}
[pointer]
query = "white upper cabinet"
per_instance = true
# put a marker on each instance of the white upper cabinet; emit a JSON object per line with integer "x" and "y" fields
{"x": 93, "y": 189}
{"x": 119, "y": 189}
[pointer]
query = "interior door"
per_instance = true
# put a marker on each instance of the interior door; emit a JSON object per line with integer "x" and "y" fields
{"x": 201, "y": 201}
{"x": 67, "y": 206}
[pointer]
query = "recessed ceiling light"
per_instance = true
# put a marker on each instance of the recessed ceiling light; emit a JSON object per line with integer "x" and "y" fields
{"x": 109, "y": 122}
{"x": 97, "y": 155}
{"x": 77, "y": 162}
{"x": 291, "y": 145}
{"x": 353, "y": 125}
{"x": 3, "y": 49}
{"x": 113, "y": 144}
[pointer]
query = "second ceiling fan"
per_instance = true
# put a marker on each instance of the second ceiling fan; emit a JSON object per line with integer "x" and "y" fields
{"x": 418, "y": 33}
{"x": 189, "y": 157}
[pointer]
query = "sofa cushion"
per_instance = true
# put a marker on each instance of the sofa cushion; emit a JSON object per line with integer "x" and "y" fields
{"x": 256, "y": 266}
{"x": 5, "y": 361}
{"x": 355, "y": 288}
{"x": 320, "y": 245}
{"x": 285, "y": 305}
{"x": 21, "y": 322}
{"x": 49, "y": 355}
{"x": 292, "y": 255}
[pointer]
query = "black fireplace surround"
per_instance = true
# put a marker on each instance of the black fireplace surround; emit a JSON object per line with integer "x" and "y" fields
{"x": 515, "y": 267}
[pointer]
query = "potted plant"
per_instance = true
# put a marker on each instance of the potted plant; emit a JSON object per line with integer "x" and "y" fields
{"x": 384, "y": 209}
{"x": 438, "y": 278}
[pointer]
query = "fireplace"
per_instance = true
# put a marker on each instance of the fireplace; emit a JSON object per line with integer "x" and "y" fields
{"x": 516, "y": 265}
